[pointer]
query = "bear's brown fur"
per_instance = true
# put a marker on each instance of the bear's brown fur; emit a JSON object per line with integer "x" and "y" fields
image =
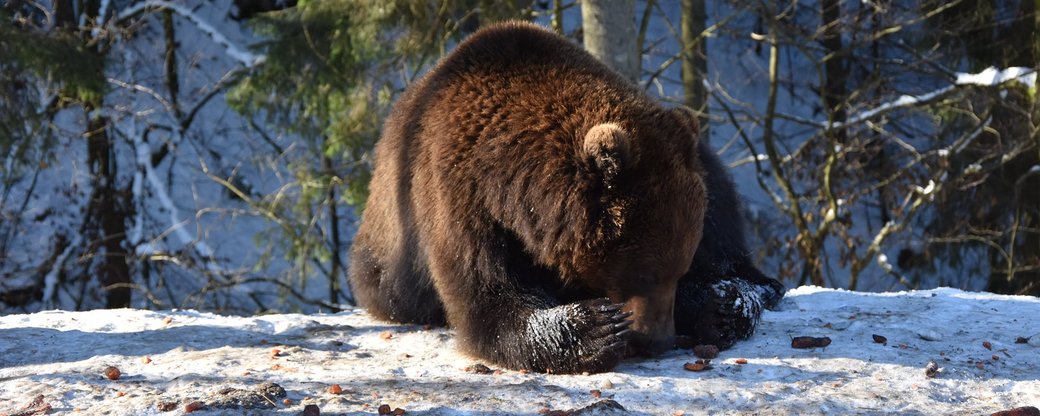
{"x": 521, "y": 184}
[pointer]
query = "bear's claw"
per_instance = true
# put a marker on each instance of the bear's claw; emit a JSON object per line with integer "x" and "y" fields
{"x": 613, "y": 307}
{"x": 624, "y": 324}
{"x": 620, "y": 345}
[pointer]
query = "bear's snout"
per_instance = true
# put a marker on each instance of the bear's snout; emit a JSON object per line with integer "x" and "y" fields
{"x": 653, "y": 324}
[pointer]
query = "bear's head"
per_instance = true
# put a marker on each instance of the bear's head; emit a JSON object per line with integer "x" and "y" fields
{"x": 649, "y": 213}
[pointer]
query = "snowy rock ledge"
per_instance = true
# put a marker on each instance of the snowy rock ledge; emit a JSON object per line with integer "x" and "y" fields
{"x": 987, "y": 347}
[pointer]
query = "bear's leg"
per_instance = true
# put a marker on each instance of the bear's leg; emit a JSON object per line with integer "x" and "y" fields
{"x": 721, "y": 298}
{"x": 394, "y": 289}
{"x": 505, "y": 310}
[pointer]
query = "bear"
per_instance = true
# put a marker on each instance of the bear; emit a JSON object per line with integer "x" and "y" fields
{"x": 721, "y": 297}
{"x": 551, "y": 212}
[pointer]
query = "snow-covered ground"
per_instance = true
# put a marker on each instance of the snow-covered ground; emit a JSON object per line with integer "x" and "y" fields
{"x": 178, "y": 357}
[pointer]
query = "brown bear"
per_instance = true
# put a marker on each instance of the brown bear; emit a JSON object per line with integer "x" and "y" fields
{"x": 550, "y": 211}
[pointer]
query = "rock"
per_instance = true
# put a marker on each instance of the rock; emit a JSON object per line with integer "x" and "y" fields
{"x": 841, "y": 325}
{"x": 929, "y": 335}
{"x": 263, "y": 397}
{"x": 601, "y": 408}
{"x": 700, "y": 365}
{"x": 810, "y": 342}
{"x": 478, "y": 368}
{"x": 706, "y": 351}
{"x": 932, "y": 369}
{"x": 166, "y": 406}
{"x": 271, "y": 389}
{"x": 1019, "y": 411}
{"x": 38, "y": 406}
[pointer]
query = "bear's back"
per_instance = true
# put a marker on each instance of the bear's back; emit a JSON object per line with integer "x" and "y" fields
{"x": 519, "y": 45}
{"x": 517, "y": 77}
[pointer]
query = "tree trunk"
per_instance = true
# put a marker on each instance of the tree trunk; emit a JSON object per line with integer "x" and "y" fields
{"x": 832, "y": 91}
{"x": 104, "y": 226}
{"x": 695, "y": 60}
{"x": 609, "y": 28}
{"x": 172, "y": 80}
{"x": 107, "y": 210}
{"x": 1036, "y": 31}
{"x": 556, "y": 22}
{"x": 337, "y": 244}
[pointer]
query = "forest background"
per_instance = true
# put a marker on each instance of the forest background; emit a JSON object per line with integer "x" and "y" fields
{"x": 215, "y": 155}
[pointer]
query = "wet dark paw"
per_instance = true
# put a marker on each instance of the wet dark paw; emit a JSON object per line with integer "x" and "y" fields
{"x": 724, "y": 312}
{"x": 774, "y": 292}
{"x": 592, "y": 336}
{"x": 601, "y": 335}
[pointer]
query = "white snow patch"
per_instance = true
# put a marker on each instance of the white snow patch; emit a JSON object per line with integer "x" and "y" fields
{"x": 50, "y": 281}
{"x": 927, "y": 190}
{"x": 992, "y": 76}
{"x": 144, "y": 154}
{"x": 61, "y": 355}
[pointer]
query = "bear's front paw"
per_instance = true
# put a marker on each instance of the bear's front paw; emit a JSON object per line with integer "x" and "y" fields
{"x": 726, "y": 311}
{"x": 590, "y": 336}
{"x": 774, "y": 291}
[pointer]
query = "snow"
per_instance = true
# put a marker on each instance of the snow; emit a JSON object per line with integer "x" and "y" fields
{"x": 902, "y": 102}
{"x": 62, "y": 356}
{"x": 50, "y": 281}
{"x": 144, "y": 154}
{"x": 236, "y": 52}
{"x": 992, "y": 76}
{"x": 988, "y": 78}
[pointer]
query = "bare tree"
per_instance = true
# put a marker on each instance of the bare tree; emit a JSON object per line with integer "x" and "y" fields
{"x": 887, "y": 158}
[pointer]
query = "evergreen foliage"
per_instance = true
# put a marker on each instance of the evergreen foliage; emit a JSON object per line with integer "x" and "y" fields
{"x": 31, "y": 60}
{"x": 333, "y": 68}
{"x": 331, "y": 72}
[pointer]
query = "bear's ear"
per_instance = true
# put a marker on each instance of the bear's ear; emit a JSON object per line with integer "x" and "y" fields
{"x": 607, "y": 146}
{"x": 688, "y": 118}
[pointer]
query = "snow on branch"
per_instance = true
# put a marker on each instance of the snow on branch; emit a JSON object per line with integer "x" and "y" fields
{"x": 901, "y": 102}
{"x": 236, "y": 52}
{"x": 989, "y": 77}
{"x": 50, "y": 280}
{"x": 144, "y": 155}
